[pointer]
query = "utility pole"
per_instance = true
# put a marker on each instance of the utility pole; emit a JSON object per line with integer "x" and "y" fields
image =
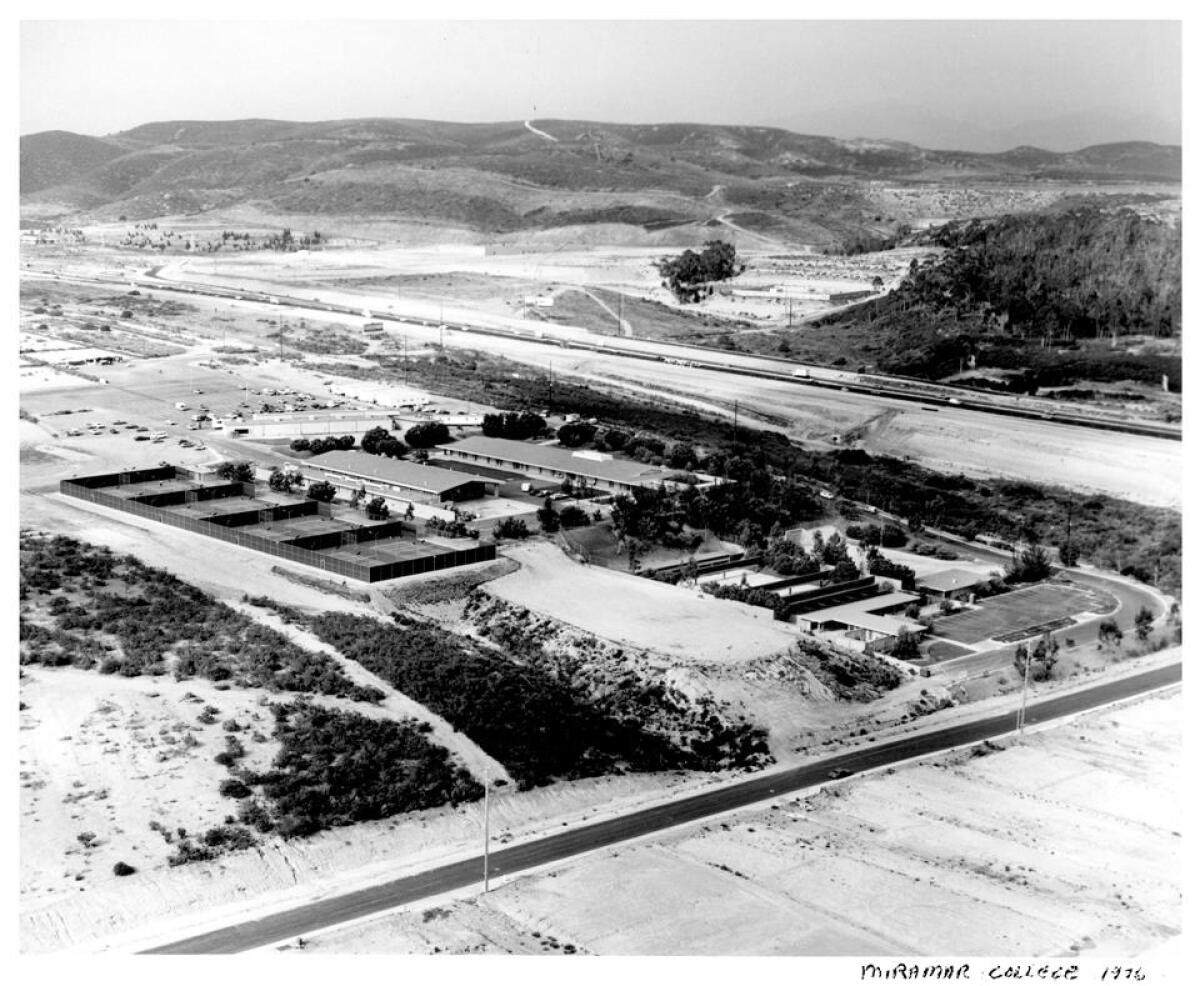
{"x": 789, "y": 312}
{"x": 279, "y": 326}
{"x": 1070, "y": 506}
{"x": 735, "y": 420}
{"x": 406, "y": 359}
{"x": 620, "y": 313}
{"x": 487, "y": 812}
{"x": 552, "y": 385}
{"x": 1024, "y": 697}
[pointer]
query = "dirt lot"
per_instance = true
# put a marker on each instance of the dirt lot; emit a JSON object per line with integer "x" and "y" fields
{"x": 1068, "y": 844}
{"x": 634, "y": 611}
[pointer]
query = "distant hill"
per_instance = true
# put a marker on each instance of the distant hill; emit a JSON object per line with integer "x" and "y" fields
{"x": 499, "y": 177}
{"x": 55, "y": 157}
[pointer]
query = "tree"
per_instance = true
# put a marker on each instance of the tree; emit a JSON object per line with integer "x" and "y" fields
{"x": 518, "y": 427}
{"x": 907, "y": 647}
{"x": 548, "y": 517}
{"x": 573, "y": 516}
{"x": 427, "y": 434}
{"x": 393, "y": 448}
{"x": 576, "y": 433}
{"x": 1029, "y": 565}
{"x": 512, "y": 528}
{"x": 377, "y": 509}
{"x": 1068, "y": 555}
{"x": 322, "y": 492}
{"x": 236, "y": 472}
{"x": 1109, "y": 632}
{"x": 1142, "y": 623}
{"x": 300, "y": 445}
{"x": 370, "y": 441}
{"x": 1040, "y": 662}
{"x": 282, "y": 482}
{"x": 345, "y": 443}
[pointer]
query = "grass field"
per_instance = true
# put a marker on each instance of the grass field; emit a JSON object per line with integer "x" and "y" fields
{"x": 1015, "y": 611}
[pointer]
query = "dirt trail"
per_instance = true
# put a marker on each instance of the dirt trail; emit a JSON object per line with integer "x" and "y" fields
{"x": 399, "y": 705}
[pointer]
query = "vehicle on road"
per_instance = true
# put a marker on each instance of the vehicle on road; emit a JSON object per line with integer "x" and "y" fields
{"x": 839, "y": 772}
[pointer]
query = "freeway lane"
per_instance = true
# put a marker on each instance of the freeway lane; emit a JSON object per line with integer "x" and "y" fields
{"x": 455, "y": 876}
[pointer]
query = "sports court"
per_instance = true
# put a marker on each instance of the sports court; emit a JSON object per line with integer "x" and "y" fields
{"x": 1033, "y": 609}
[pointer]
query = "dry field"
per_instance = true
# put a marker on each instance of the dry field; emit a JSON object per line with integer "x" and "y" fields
{"x": 1067, "y": 844}
{"x": 680, "y": 623}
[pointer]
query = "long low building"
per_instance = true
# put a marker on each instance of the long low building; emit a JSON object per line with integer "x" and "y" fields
{"x": 869, "y": 619}
{"x": 597, "y": 469}
{"x": 379, "y": 475}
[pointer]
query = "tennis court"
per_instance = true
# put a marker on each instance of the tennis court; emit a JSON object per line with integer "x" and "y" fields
{"x": 1022, "y": 609}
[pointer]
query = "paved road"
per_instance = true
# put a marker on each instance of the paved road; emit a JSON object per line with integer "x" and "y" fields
{"x": 455, "y": 876}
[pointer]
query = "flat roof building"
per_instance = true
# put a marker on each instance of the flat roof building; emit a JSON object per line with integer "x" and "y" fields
{"x": 951, "y": 583}
{"x": 598, "y": 469}
{"x": 398, "y": 477}
{"x": 868, "y": 619}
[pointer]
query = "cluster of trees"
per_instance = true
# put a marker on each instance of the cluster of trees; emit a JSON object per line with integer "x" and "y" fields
{"x": 576, "y": 433}
{"x": 534, "y": 723}
{"x": 284, "y": 482}
{"x": 1030, "y": 564}
{"x": 235, "y": 472}
{"x": 887, "y": 536}
{"x": 761, "y": 500}
{"x": 1085, "y": 272}
{"x": 131, "y": 628}
{"x": 450, "y": 528}
{"x": 379, "y": 441}
{"x": 1028, "y": 294}
{"x": 319, "y": 446}
{"x": 1040, "y": 661}
{"x": 690, "y": 275}
{"x": 879, "y": 564}
{"x": 337, "y": 768}
{"x": 323, "y": 491}
{"x": 777, "y": 480}
{"x": 427, "y": 434}
{"x": 517, "y": 425}
{"x": 787, "y": 557}
{"x": 512, "y": 529}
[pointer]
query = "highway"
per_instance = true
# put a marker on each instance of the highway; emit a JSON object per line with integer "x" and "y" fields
{"x": 771, "y": 368}
{"x": 312, "y": 917}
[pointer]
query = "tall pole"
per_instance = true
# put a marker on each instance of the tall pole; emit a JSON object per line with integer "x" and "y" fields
{"x": 279, "y": 326}
{"x": 552, "y": 385}
{"x": 487, "y": 812}
{"x": 735, "y": 420}
{"x": 620, "y": 313}
{"x": 1070, "y": 506}
{"x": 1024, "y": 697}
{"x": 406, "y": 359}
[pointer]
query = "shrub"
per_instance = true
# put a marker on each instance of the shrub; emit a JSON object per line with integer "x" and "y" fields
{"x": 231, "y": 787}
{"x": 512, "y": 528}
{"x": 123, "y": 869}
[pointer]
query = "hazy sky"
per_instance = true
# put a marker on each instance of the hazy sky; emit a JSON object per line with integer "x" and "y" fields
{"x": 938, "y": 83}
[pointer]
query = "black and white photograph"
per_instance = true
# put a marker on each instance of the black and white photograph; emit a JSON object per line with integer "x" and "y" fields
{"x": 637, "y": 482}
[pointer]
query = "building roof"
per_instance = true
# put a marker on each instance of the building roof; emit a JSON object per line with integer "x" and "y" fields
{"x": 590, "y": 464}
{"x": 864, "y": 614}
{"x": 950, "y": 579}
{"x": 397, "y": 472}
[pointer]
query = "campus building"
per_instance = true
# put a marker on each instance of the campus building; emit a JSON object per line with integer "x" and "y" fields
{"x": 597, "y": 469}
{"x": 870, "y": 621}
{"x": 381, "y": 476}
{"x": 955, "y": 584}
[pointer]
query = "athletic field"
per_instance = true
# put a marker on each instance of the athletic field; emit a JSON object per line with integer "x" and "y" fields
{"x": 1029, "y": 609}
